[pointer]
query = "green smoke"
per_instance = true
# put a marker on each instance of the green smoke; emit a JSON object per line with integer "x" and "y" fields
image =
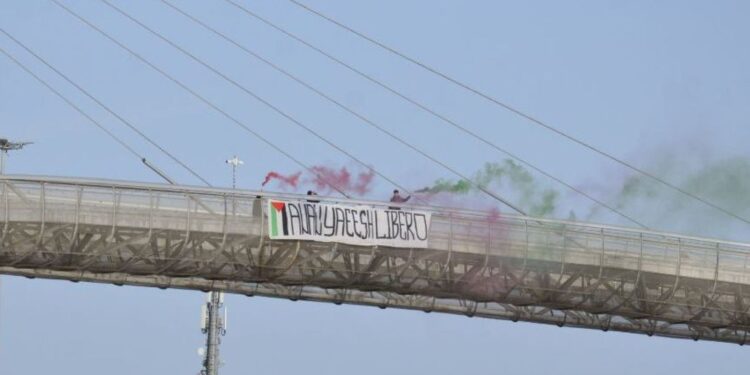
{"x": 546, "y": 205}
{"x": 442, "y": 185}
{"x": 724, "y": 182}
{"x": 527, "y": 192}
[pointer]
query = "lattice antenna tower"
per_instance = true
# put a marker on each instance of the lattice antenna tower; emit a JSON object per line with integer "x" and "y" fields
{"x": 213, "y": 319}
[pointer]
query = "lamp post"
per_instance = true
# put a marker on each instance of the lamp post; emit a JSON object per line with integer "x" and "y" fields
{"x": 234, "y": 162}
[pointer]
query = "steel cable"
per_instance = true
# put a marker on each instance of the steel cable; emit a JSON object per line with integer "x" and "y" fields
{"x": 520, "y": 113}
{"x": 257, "y": 97}
{"x": 70, "y": 103}
{"x": 432, "y": 112}
{"x": 200, "y": 98}
{"x": 108, "y": 109}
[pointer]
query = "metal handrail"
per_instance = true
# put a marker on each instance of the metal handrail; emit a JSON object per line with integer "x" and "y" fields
{"x": 221, "y": 192}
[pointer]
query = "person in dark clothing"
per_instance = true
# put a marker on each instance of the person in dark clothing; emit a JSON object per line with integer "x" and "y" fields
{"x": 310, "y": 192}
{"x": 397, "y": 198}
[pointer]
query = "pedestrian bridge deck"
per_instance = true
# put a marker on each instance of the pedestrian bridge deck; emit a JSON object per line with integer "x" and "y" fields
{"x": 507, "y": 267}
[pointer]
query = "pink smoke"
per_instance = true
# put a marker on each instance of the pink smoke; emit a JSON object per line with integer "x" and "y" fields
{"x": 325, "y": 178}
{"x": 364, "y": 182}
{"x": 284, "y": 181}
{"x": 493, "y": 215}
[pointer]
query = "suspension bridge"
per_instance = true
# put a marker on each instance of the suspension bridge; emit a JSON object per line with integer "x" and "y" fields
{"x": 511, "y": 267}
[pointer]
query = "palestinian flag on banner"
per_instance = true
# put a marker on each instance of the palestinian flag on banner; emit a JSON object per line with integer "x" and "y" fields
{"x": 278, "y": 218}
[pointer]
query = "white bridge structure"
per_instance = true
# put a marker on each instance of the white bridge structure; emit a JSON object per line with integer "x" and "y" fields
{"x": 509, "y": 267}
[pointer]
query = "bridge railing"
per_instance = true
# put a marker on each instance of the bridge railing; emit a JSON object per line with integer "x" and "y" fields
{"x": 517, "y": 238}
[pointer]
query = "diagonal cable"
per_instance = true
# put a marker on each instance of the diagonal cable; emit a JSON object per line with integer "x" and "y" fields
{"x": 201, "y": 98}
{"x": 70, "y": 103}
{"x": 334, "y": 101}
{"x": 295, "y": 121}
{"x": 108, "y": 109}
{"x": 252, "y": 94}
{"x": 522, "y": 114}
{"x": 417, "y": 104}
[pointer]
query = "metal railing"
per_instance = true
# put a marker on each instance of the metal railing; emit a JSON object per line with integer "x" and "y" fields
{"x": 509, "y": 267}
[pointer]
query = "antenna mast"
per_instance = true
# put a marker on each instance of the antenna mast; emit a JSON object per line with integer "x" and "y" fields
{"x": 213, "y": 322}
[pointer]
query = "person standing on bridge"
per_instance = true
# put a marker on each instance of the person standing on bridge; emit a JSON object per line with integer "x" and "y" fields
{"x": 397, "y": 198}
{"x": 312, "y": 193}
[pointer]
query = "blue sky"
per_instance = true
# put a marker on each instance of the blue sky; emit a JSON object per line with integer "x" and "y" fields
{"x": 646, "y": 81}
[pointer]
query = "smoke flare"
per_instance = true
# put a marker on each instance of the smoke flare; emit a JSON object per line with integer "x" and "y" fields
{"x": 326, "y": 179}
{"x": 284, "y": 181}
{"x": 725, "y": 182}
{"x": 538, "y": 201}
{"x": 342, "y": 179}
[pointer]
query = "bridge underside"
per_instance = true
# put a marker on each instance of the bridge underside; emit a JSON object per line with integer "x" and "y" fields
{"x": 493, "y": 284}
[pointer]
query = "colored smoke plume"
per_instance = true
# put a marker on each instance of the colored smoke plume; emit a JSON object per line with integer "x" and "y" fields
{"x": 322, "y": 179}
{"x": 493, "y": 215}
{"x": 341, "y": 178}
{"x": 289, "y": 181}
{"x": 724, "y": 182}
{"x": 508, "y": 175}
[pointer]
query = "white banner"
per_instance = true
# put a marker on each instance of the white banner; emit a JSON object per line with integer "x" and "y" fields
{"x": 354, "y": 225}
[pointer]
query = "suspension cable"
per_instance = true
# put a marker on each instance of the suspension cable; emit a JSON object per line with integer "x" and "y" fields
{"x": 424, "y": 108}
{"x": 108, "y": 109}
{"x": 70, "y": 103}
{"x": 337, "y": 103}
{"x": 257, "y": 97}
{"x": 521, "y": 113}
{"x": 202, "y": 99}
{"x": 278, "y": 110}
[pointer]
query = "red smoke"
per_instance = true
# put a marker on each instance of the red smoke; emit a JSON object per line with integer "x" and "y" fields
{"x": 284, "y": 181}
{"x": 493, "y": 215}
{"x": 326, "y": 178}
{"x": 364, "y": 180}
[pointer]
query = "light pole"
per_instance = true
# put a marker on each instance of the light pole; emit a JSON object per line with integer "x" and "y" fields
{"x": 234, "y": 162}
